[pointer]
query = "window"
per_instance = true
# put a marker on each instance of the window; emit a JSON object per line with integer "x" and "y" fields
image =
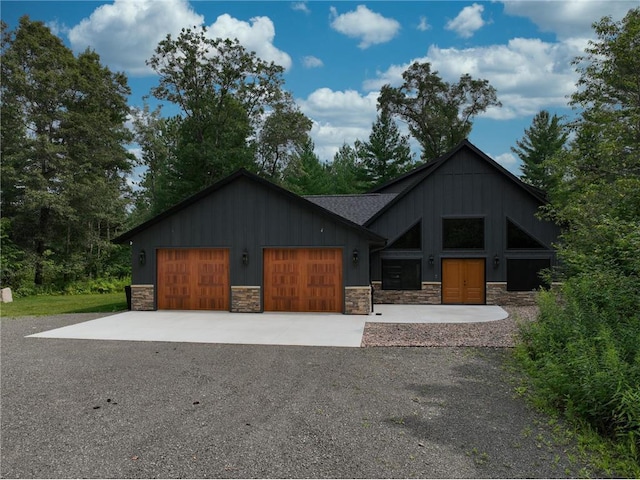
{"x": 411, "y": 239}
{"x": 523, "y": 275}
{"x": 517, "y": 238}
{"x": 401, "y": 274}
{"x": 463, "y": 233}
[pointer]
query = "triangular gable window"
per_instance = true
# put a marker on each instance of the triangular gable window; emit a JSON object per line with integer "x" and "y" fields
{"x": 409, "y": 240}
{"x": 517, "y": 238}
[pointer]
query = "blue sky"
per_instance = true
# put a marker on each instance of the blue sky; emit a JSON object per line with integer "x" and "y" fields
{"x": 338, "y": 54}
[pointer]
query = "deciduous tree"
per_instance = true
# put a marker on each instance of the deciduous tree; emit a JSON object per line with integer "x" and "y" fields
{"x": 439, "y": 114}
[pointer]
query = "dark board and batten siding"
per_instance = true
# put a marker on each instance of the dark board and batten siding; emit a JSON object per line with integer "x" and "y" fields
{"x": 247, "y": 215}
{"x": 464, "y": 186}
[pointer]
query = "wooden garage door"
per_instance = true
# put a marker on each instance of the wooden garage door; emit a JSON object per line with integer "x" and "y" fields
{"x": 303, "y": 280}
{"x": 463, "y": 280}
{"x": 193, "y": 279}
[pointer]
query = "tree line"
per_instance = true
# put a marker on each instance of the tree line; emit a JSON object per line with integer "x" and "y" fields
{"x": 66, "y": 167}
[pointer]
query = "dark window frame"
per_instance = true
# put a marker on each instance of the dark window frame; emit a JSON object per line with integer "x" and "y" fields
{"x": 407, "y": 235}
{"x": 398, "y": 274}
{"x": 446, "y": 242}
{"x": 541, "y": 246}
{"x": 529, "y": 280}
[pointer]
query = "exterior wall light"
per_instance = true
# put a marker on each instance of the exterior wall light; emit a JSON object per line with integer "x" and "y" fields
{"x": 142, "y": 257}
{"x": 431, "y": 259}
{"x": 496, "y": 261}
{"x": 355, "y": 256}
{"x": 245, "y": 257}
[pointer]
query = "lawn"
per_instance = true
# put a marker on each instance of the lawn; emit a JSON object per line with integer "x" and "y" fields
{"x": 56, "y": 304}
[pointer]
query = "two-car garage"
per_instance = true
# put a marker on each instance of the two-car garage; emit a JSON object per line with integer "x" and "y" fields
{"x": 294, "y": 279}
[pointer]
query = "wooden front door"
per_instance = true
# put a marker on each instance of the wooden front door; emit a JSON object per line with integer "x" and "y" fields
{"x": 193, "y": 279}
{"x": 463, "y": 281}
{"x": 303, "y": 280}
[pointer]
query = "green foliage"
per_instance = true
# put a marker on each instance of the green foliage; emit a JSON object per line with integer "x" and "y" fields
{"x": 439, "y": 114}
{"x": 347, "y": 172}
{"x": 64, "y": 163}
{"x": 306, "y": 175}
{"x": 542, "y": 141}
{"x": 584, "y": 353}
{"x": 285, "y": 131}
{"x": 386, "y": 154}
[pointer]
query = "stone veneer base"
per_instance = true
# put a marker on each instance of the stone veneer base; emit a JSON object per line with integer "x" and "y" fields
{"x": 245, "y": 299}
{"x": 357, "y": 300}
{"x": 142, "y": 297}
{"x": 431, "y": 294}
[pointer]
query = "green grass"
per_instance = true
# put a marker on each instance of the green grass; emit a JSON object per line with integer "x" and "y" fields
{"x": 56, "y": 304}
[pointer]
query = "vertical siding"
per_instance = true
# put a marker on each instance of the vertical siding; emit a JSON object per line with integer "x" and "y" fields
{"x": 248, "y": 215}
{"x": 465, "y": 185}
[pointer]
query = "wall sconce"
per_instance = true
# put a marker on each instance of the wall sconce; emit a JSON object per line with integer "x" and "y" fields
{"x": 431, "y": 259}
{"x": 142, "y": 257}
{"x": 355, "y": 256}
{"x": 496, "y": 261}
{"x": 245, "y": 257}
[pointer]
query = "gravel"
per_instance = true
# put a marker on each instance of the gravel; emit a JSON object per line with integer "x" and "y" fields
{"x": 500, "y": 333}
{"x": 115, "y": 409}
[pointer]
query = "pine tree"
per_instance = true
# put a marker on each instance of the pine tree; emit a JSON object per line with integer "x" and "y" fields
{"x": 542, "y": 141}
{"x": 387, "y": 153}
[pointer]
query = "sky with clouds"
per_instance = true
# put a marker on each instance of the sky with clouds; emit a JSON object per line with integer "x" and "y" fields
{"x": 337, "y": 55}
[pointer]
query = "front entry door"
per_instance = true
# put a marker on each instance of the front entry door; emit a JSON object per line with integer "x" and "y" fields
{"x": 463, "y": 281}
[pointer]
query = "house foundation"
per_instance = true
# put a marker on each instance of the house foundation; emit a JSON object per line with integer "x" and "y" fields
{"x": 429, "y": 294}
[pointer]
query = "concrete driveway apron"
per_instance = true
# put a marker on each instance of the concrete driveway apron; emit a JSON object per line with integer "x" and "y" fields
{"x": 322, "y": 330}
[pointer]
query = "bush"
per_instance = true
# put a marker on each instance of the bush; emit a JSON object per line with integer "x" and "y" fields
{"x": 584, "y": 353}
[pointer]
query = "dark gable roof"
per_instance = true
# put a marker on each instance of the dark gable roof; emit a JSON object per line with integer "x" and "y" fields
{"x": 374, "y": 237}
{"x": 358, "y": 207}
{"x": 418, "y": 174}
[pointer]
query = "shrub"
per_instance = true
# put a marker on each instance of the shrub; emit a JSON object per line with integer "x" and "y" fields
{"x": 584, "y": 353}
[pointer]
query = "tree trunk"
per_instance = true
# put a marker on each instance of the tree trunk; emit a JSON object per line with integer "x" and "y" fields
{"x": 41, "y": 246}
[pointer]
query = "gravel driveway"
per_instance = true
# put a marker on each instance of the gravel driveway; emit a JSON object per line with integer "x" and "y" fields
{"x": 85, "y": 408}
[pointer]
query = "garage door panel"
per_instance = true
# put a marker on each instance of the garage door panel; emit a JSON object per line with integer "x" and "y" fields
{"x": 193, "y": 279}
{"x": 303, "y": 280}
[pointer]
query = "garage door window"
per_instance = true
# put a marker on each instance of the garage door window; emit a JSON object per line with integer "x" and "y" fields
{"x": 401, "y": 274}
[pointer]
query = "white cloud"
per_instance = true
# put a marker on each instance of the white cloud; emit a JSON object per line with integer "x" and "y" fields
{"x": 257, "y": 36}
{"x": 370, "y": 27}
{"x": 568, "y": 18}
{"x": 312, "y": 62}
{"x": 423, "y": 26}
{"x": 468, "y": 21}
{"x": 126, "y": 33}
{"x": 300, "y": 7}
{"x": 338, "y": 117}
{"x": 528, "y": 74}
{"x": 508, "y": 161}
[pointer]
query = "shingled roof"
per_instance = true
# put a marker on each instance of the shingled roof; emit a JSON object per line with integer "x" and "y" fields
{"x": 358, "y": 207}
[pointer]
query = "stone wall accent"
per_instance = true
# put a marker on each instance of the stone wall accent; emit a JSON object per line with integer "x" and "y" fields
{"x": 245, "y": 299}
{"x": 429, "y": 294}
{"x": 357, "y": 300}
{"x": 142, "y": 297}
{"x": 497, "y": 294}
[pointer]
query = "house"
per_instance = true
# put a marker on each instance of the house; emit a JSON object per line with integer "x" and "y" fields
{"x": 460, "y": 230}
